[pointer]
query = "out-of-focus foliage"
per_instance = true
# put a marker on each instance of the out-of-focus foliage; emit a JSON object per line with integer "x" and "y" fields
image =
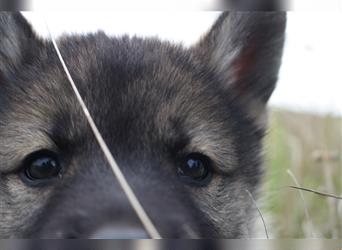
{"x": 310, "y": 146}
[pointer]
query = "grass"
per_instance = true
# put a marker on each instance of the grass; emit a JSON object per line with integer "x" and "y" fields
{"x": 294, "y": 142}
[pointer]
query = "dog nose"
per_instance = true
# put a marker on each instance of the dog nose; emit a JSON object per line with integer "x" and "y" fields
{"x": 119, "y": 232}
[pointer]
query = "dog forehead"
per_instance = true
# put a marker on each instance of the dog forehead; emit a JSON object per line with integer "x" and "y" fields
{"x": 129, "y": 85}
{"x": 131, "y": 76}
{"x": 131, "y": 72}
{"x": 104, "y": 54}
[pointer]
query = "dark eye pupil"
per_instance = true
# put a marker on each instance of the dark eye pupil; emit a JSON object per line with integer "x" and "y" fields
{"x": 43, "y": 168}
{"x": 196, "y": 167}
{"x": 193, "y": 168}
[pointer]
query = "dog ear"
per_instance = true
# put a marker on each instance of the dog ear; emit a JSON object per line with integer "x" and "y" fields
{"x": 17, "y": 43}
{"x": 245, "y": 48}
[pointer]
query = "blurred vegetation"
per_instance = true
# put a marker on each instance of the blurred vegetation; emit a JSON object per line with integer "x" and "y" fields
{"x": 310, "y": 146}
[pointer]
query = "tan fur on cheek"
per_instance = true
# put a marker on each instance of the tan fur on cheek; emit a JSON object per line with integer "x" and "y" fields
{"x": 16, "y": 144}
{"x": 229, "y": 202}
{"x": 19, "y": 205}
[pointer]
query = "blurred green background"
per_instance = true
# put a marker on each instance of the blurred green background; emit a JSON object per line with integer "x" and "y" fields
{"x": 309, "y": 145}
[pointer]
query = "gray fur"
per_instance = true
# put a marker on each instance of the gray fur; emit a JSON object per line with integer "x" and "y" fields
{"x": 154, "y": 102}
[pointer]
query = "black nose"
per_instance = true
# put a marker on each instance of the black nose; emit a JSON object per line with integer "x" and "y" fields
{"x": 119, "y": 232}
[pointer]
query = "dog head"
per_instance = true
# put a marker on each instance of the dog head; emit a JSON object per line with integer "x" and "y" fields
{"x": 184, "y": 124}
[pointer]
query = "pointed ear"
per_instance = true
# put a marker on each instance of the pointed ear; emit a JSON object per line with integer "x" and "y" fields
{"x": 17, "y": 42}
{"x": 245, "y": 49}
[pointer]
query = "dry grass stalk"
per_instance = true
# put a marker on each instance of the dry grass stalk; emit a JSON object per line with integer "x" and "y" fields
{"x": 306, "y": 211}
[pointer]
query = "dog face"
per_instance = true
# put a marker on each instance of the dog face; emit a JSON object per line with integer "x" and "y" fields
{"x": 184, "y": 125}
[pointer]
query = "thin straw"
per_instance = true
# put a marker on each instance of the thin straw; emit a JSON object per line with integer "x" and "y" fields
{"x": 144, "y": 218}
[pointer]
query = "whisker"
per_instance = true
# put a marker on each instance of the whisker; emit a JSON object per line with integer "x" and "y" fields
{"x": 260, "y": 214}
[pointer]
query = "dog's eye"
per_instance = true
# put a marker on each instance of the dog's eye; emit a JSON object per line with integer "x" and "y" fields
{"x": 195, "y": 169}
{"x": 41, "y": 166}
